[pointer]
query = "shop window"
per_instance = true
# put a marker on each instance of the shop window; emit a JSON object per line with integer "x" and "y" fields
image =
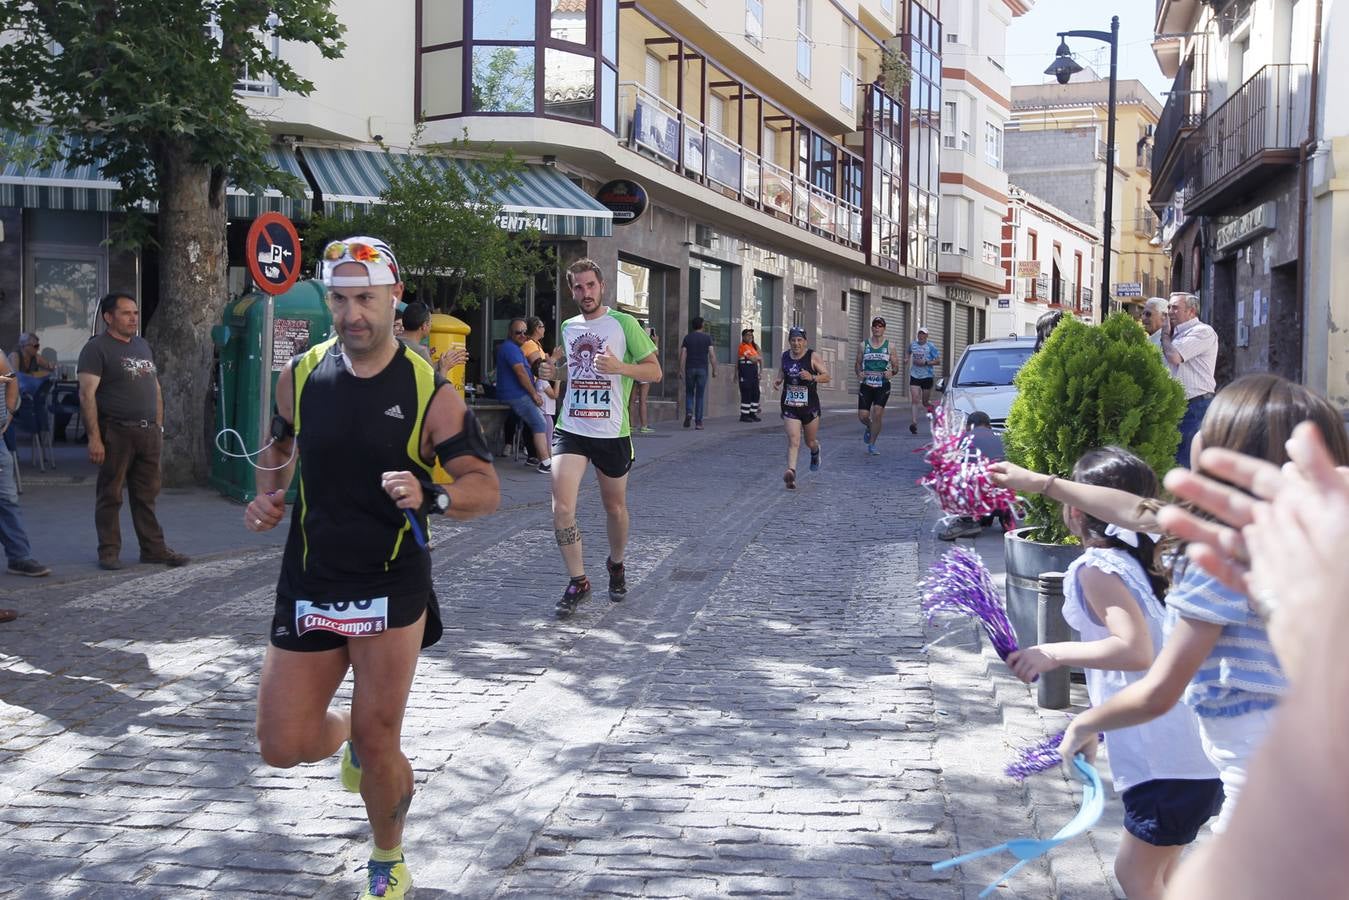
{"x": 710, "y": 294}
{"x": 760, "y": 314}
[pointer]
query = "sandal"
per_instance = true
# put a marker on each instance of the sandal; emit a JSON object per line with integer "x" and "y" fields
{"x": 789, "y": 478}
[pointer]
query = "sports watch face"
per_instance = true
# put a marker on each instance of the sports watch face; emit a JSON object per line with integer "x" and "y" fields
{"x": 442, "y": 499}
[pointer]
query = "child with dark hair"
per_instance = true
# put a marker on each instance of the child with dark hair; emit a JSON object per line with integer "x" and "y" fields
{"x": 1114, "y": 602}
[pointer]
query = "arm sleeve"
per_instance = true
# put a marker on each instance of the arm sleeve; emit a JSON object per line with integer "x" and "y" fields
{"x": 90, "y": 361}
{"x": 1200, "y": 596}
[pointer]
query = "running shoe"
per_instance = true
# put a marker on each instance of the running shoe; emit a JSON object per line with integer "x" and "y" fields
{"x": 618, "y": 581}
{"x": 646, "y": 429}
{"x": 815, "y": 460}
{"x": 866, "y": 434}
{"x": 351, "y": 769}
{"x": 688, "y": 420}
{"x": 387, "y": 880}
{"x": 545, "y": 467}
{"x": 789, "y": 478}
{"x": 872, "y": 451}
{"x": 578, "y": 591}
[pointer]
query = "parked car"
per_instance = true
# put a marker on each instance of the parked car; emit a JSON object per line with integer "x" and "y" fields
{"x": 982, "y": 380}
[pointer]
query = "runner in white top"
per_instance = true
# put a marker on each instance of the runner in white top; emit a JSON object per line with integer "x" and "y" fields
{"x": 602, "y": 352}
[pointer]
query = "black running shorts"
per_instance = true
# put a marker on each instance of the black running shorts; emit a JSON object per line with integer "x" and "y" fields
{"x": 924, "y": 383}
{"x": 308, "y": 626}
{"x": 869, "y": 395}
{"x": 612, "y": 456}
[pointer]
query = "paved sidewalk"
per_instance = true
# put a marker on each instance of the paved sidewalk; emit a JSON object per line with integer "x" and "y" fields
{"x": 760, "y": 717}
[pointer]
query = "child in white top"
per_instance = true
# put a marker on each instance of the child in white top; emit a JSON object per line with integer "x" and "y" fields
{"x": 1169, "y": 787}
{"x": 548, "y": 391}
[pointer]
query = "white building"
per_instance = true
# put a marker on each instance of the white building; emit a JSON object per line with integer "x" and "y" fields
{"x": 1049, "y": 264}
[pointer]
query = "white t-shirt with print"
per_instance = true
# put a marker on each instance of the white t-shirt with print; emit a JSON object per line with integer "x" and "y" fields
{"x": 594, "y": 404}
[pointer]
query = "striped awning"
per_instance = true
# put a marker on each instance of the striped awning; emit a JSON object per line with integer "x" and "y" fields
{"x": 243, "y": 205}
{"x": 66, "y": 185}
{"x": 60, "y": 185}
{"x": 351, "y": 180}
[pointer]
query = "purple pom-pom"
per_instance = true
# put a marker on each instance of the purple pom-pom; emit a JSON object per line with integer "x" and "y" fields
{"x": 959, "y": 583}
{"x": 1040, "y": 756}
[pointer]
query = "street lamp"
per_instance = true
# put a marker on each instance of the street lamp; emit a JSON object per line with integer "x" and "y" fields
{"x": 1065, "y": 67}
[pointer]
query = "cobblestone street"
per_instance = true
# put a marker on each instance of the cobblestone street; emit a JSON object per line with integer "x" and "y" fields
{"x": 760, "y": 717}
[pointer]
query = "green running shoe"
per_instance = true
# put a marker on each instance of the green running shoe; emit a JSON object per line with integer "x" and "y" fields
{"x": 351, "y": 769}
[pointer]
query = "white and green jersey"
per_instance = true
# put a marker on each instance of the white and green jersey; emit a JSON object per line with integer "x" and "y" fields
{"x": 875, "y": 363}
{"x": 594, "y": 404}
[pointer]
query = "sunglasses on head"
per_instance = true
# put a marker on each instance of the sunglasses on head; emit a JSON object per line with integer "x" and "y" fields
{"x": 360, "y": 252}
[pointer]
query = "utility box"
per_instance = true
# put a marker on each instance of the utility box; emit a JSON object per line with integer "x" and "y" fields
{"x": 297, "y": 320}
{"x": 447, "y": 332}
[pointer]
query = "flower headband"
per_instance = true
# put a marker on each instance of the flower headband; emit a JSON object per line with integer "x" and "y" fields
{"x": 381, "y": 266}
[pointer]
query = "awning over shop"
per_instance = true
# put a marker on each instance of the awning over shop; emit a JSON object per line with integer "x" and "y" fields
{"x": 543, "y": 199}
{"x": 60, "y": 185}
{"x": 65, "y": 185}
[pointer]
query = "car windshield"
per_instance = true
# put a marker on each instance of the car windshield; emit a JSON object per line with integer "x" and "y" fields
{"x": 993, "y": 367}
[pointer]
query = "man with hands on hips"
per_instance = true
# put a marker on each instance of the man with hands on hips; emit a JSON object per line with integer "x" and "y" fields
{"x": 369, "y": 417}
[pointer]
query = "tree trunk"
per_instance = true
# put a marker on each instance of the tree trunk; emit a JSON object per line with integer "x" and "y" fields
{"x": 193, "y": 290}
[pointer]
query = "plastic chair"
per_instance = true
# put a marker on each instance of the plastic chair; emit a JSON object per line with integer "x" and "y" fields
{"x": 33, "y": 419}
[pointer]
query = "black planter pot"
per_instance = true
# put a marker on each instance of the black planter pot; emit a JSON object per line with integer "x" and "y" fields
{"x": 1025, "y": 560}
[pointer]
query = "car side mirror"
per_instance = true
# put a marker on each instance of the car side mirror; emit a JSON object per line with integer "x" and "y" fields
{"x": 941, "y": 385}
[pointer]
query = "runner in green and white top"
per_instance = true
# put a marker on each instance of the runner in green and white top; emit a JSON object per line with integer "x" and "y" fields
{"x": 602, "y": 353}
{"x": 876, "y": 362}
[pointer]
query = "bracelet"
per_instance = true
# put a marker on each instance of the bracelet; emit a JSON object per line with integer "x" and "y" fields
{"x": 1044, "y": 492}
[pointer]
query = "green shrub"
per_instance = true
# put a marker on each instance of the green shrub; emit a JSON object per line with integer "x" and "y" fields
{"x": 1088, "y": 387}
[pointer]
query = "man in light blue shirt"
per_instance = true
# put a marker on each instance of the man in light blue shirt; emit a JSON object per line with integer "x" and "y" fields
{"x": 922, "y": 357}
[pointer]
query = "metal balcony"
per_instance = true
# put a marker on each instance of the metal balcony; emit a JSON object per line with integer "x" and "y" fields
{"x": 1254, "y": 135}
{"x": 1183, "y": 113}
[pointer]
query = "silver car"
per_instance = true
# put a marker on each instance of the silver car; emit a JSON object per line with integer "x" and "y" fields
{"x": 982, "y": 380}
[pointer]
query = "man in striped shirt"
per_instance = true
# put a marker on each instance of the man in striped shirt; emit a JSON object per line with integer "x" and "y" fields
{"x": 1190, "y": 348}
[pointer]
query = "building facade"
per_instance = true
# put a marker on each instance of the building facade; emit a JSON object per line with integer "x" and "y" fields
{"x": 1057, "y": 144}
{"x": 976, "y": 106}
{"x": 790, "y": 168}
{"x": 1228, "y": 178}
{"x": 1048, "y": 264}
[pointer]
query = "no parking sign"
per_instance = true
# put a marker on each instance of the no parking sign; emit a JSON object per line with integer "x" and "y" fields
{"x": 273, "y": 252}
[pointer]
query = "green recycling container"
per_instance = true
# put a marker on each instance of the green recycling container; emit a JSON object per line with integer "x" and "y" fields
{"x": 300, "y": 319}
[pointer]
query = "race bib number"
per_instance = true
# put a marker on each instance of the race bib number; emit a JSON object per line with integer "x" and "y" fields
{"x": 873, "y": 379}
{"x": 589, "y": 399}
{"x": 797, "y": 395}
{"x": 349, "y": 618}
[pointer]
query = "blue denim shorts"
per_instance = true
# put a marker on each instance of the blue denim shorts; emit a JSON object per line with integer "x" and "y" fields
{"x": 1168, "y": 812}
{"x": 532, "y": 416}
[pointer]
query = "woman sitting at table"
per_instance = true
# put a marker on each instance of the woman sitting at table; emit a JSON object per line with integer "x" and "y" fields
{"x": 28, "y": 358}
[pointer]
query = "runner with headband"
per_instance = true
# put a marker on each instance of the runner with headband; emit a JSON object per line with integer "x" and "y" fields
{"x": 369, "y": 418}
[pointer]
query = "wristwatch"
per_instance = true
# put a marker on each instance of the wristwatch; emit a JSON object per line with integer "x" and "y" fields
{"x": 435, "y": 499}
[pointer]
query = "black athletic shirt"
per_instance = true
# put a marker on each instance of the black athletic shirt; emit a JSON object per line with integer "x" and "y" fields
{"x": 348, "y": 541}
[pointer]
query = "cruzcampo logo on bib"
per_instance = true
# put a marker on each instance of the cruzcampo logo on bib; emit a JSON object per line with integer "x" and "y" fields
{"x": 349, "y": 618}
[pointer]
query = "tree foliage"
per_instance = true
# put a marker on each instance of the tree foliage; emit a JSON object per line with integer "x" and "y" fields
{"x": 146, "y": 88}
{"x": 140, "y": 84}
{"x": 1091, "y": 387}
{"x": 439, "y": 216}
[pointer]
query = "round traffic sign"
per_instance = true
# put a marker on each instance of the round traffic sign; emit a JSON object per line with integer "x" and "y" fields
{"x": 273, "y": 252}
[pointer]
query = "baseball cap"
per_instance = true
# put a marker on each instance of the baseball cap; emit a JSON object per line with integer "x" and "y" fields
{"x": 922, "y": 331}
{"x": 381, "y": 266}
{"x": 878, "y": 321}
{"x": 796, "y": 331}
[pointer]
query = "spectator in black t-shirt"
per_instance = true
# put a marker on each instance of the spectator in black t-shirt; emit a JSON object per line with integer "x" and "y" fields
{"x": 696, "y": 363}
{"x": 124, "y": 414}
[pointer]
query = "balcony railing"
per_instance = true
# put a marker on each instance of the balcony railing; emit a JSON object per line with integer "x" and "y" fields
{"x": 1260, "y": 126}
{"x": 1183, "y": 113}
{"x": 1145, "y": 223}
{"x": 656, "y": 128}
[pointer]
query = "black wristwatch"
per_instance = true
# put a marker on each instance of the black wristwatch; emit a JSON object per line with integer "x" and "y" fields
{"x": 435, "y": 499}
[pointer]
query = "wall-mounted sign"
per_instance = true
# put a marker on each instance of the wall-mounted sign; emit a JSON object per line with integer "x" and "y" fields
{"x": 272, "y": 249}
{"x": 960, "y": 295}
{"x": 627, "y": 200}
{"x": 1028, "y": 268}
{"x": 1129, "y": 289}
{"x": 1249, "y": 225}
{"x": 1004, "y": 303}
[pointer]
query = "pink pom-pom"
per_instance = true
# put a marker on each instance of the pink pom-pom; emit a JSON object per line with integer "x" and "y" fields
{"x": 959, "y": 478}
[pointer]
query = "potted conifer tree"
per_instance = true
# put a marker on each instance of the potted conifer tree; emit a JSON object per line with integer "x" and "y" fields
{"x": 1087, "y": 387}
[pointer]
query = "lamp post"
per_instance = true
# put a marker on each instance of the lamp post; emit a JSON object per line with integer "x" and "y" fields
{"x": 1063, "y": 68}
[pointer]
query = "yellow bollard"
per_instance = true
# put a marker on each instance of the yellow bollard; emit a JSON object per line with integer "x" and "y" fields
{"x": 447, "y": 332}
